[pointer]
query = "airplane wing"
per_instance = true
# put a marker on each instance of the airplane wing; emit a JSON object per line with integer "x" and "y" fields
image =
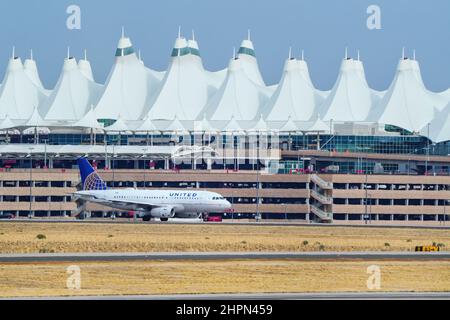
{"x": 132, "y": 205}
{"x": 119, "y": 204}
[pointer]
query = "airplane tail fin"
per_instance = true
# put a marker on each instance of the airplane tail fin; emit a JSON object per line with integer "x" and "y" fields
{"x": 89, "y": 177}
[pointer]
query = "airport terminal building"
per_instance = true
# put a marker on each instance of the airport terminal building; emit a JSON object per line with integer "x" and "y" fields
{"x": 285, "y": 151}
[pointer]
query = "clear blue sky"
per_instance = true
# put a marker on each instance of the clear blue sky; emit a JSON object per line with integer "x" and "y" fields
{"x": 323, "y": 28}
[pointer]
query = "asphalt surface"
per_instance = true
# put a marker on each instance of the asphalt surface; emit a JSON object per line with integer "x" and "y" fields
{"x": 219, "y": 256}
{"x": 270, "y": 296}
{"x": 445, "y": 226}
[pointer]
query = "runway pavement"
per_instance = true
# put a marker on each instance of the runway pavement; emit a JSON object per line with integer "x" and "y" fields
{"x": 270, "y": 296}
{"x": 218, "y": 256}
{"x": 445, "y": 226}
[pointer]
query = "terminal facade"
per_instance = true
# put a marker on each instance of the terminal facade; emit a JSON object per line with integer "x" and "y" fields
{"x": 305, "y": 185}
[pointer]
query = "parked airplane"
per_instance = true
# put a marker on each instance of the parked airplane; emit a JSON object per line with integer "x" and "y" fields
{"x": 163, "y": 204}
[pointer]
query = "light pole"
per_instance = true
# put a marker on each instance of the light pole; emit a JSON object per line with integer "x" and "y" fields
{"x": 257, "y": 195}
{"x": 112, "y": 164}
{"x": 143, "y": 156}
{"x": 258, "y": 214}
{"x": 45, "y": 153}
{"x": 224, "y": 151}
{"x": 30, "y": 215}
{"x": 106, "y": 153}
{"x": 365, "y": 202}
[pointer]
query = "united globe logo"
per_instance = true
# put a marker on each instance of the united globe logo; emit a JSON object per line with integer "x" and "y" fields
{"x": 94, "y": 182}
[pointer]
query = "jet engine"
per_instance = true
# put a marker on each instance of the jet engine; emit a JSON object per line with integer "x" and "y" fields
{"x": 163, "y": 212}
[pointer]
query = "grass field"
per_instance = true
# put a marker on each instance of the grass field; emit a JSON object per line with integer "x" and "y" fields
{"x": 89, "y": 237}
{"x": 195, "y": 277}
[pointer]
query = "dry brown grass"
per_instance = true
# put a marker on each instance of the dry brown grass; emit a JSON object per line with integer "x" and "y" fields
{"x": 89, "y": 237}
{"x": 195, "y": 277}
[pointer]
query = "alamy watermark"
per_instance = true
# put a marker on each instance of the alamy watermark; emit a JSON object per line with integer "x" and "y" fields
{"x": 73, "y": 21}
{"x": 374, "y": 280}
{"x": 73, "y": 281}
{"x": 374, "y": 19}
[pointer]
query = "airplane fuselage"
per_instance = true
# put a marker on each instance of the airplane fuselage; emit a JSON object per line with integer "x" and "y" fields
{"x": 180, "y": 203}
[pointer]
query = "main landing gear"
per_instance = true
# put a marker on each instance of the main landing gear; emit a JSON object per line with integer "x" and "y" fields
{"x": 148, "y": 218}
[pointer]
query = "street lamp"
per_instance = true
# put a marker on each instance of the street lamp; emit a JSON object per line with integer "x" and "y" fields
{"x": 258, "y": 214}
{"x": 106, "y": 153}
{"x": 45, "y": 153}
{"x": 112, "y": 164}
{"x": 365, "y": 186}
{"x": 30, "y": 215}
{"x": 143, "y": 156}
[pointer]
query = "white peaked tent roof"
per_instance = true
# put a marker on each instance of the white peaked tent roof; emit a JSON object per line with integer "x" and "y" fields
{"x": 259, "y": 127}
{"x": 176, "y": 127}
{"x": 148, "y": 125}
{"x": 129, "y": 87}
{"x": 289, "y": 126}
{"x": 233, "y": 127}
{"x": 407, "y": 104}
{"x": 444, "y": 95}
{"x": 238, "y": 96}
{"x": 73, "y": 95}
{"x": 351, "y": 99}
{"x": 318, "y": 125}
{"x": 7, "y": 123}
{"x": 185, "y": 89}
{"x": 85, "y": 67}
{"x": 118, "y": 126}
{"x": 89, "y": 120}
{"x": 18, "y": 93}
{"x": 249, "y": 61}
{"x": 35, "y": 120}
{"x": 155, "y": 75}
{"x": 440, "y": 99}
{"x": 204, "y": 126}
{"x": 295, "y": 96}
{"x": 439, "y": 128}
{"x": 31, "y": 69}
{"x": 214, "y": 78}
